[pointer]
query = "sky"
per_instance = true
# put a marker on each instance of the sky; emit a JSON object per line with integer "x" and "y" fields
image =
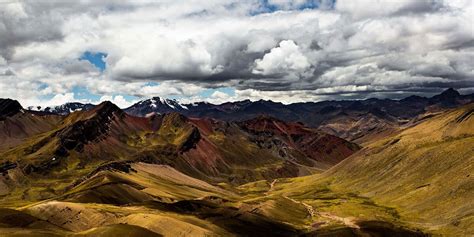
{"x": 53, "y": 52}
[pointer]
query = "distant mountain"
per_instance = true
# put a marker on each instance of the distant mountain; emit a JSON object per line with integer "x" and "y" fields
{"x": 290, "y": 140}
{"x": 64, "y": 109}
{"x": 156, "y": 105}
{"x": 230, "y": 111}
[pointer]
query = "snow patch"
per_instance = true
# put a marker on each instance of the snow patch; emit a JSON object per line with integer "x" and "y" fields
{"x": 184, "y": 106}
{"x": 170, "y": 105}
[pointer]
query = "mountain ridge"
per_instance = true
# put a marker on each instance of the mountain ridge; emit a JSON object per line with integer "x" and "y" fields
{"x": 156, "y": 102}
{"x": 355, "y": 120}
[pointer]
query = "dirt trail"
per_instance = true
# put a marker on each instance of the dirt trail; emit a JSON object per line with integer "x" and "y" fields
{"x": 271, "y": 185}
{"x": 308, "y": 207}
{"x": 347, "y": 221}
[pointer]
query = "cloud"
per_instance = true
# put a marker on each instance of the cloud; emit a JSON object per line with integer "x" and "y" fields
{"x": 284, "y": 59}
{"x": 405, "y": 45}
{"x": 21, "y": 25}
{"x": 300, "y": 4}
{"x": 165, "y": 58}
{"x": 287, "y": 4}
{"x": 60, "y": 99}
{"x": 375, "y": 8}
{"x": 119, "y": 100}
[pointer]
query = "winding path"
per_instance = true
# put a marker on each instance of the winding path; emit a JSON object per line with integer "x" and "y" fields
{"x": 308, "y": 207}
{"x": 345, "y": 220}
{"x": 271, "y": 186}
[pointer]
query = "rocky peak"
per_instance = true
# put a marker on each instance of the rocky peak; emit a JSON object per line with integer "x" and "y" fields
{"x": 9, "y": 107}
{"x": 88, "y": 129}
{"x": 450, "y": 93}
{"x": 174, "y": 119}
{"x": 106, "y": 108}
{"x": 447, "y": 98}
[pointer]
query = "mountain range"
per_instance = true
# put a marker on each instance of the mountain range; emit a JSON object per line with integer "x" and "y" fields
{"x": 354, "y": 120}
{"x": 334, "y": 168}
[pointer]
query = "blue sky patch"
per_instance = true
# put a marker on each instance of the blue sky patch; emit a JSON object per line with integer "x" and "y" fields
{"x": 96, "y": 58}
{"x": 267, "y": 7}
{"x": 152, "y": 83}
{"x": 82, "y": 93}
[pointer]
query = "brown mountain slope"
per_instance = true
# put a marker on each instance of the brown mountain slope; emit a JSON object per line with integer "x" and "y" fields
{"x": 362, "y": 128}
{"x": 291, "y": 138}
{"x": 16, "y": 129}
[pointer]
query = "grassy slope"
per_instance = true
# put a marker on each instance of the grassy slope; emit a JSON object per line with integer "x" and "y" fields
{"x": 96, "y": 206}
{"x": 155, "y": 197}
{"x": 15, "y": 130}
{"x": 425, "y": 171}
{"x": 421, "y": 177}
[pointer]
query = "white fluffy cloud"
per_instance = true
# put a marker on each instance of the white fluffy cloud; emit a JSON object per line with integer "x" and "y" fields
{"x": 165, "y": 58}
{"x": 287, "y": 58}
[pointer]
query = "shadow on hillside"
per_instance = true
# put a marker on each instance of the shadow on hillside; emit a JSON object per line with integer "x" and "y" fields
{"x": 232, "y": 219}
{"x": 368, "y": 228}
